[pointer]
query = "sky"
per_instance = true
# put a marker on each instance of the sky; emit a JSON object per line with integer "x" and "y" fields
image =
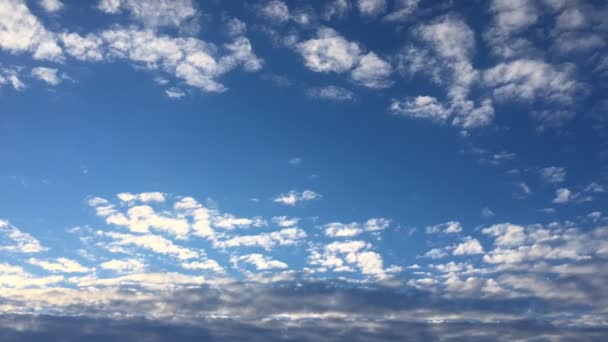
{"x": 300, "y": 170}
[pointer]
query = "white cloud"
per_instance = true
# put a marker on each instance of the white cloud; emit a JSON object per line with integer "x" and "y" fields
{"x": 155, "y": 13}
{"x": 123, "y": 266}
{"x": 60, "y": 265}
{"x": 51, "y": 6}
{"x": 469, "y": 246}
{"x": 21, "y": 31}
{"x": 529, "y": 79}
{"x": 295, "y": 161}
{"x": 155, "y": 243}
{"x": 403, "y": 10}
{"x": 338, "y": 229}
{"x": 336, "y": 8}
{"x": 48, "y": 75}
{"x": 11, "y": 76}
{"x": 141, "y": 218}
{"x": 293, "y": 197}
{"x": 331, "y": 92}
{"x": 450, "y": 227}
{"x": 563, "y": 196}
{"x": 261, "y": 262}
{"x": 506, "y": 234}
{"x": 275, "y": 10}
{"x": 284, "y": 221}
{"x": 18, "y": 241}
{"x": 514, "y": 15}
{"x": 235, "y": 27}
{"x": 371, "y": 7}
{"x": 421, "y": 107}
{"x": 229, "y": 222}
{"x": 553, "y": 174}
{"x": 87, "y": 48}
{"x": 594, "y": 188}
{"x": 283, "y": 237}
{"x": 207, "y": 265}
{"x": 174, "y": 93}
{"x": 342, "y": 256}
{"x": 372, "y": 72}
{"x": 329, "y": 52}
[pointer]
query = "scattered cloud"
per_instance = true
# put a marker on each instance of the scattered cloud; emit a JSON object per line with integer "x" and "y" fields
{"x": 293, "y": 197}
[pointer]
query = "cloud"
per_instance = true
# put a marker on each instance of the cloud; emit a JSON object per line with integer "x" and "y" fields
{"x": 338, "y": 229}
{"x": 284, "y": 237}
{"x": 372, "y": 72}
{"x": 329, "y": 52}
{"x": 553, "y": 174}
{"x": 261, "y": 262}
{"x": 16, "y": 241}
{"x": 284, "y": 221}
{"x": 331, "y": 92}
{"x": 275, "y": 11}
{"x": 155, "y": 13}
{"x": 563, "y": 195}
{"x": 403, "y": 10}
{"x": 60, "y": 265}
{"x": 174, "y": 93}
{"x": 51, "y": 6}
{"x": 469, "y": 246}
{"x": 293, "y": 197}
{"x": 371, "y": 8}
{"x": 529, "y": 79}
{"x": 21, "y": 31}
{"x": 208, "y": 264}
{"x": 48, "y": 75}
{"x": 11, "y": 76}
{"x": 123, "y": 266}
{"x": 450, "y": 227}
{"x": 154, "y": 243}
{"x": 421, "y": 107}
{"x": 487, "y": 212}
{"x": 344, "y": 256}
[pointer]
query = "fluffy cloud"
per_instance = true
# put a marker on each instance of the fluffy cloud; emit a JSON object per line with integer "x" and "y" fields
{"x": 372, "y": 72}
{"x": 371, "y": 7}
{"x": 343, "y": 256}
{"x": 422, "y": 107}
{"x": 21, "y": 31}
{"x": 553, "y": 174}
{"x": 14, "y": 240}
{"x": 51, "y": 6}
{"x": 11, "y": 76}
{"x": 450, "y": 227}
{"x": 208, "y": 264}
{"x": 338, "y": 229}
{"x": 123, "y": 266}
{"x": 155, "y": 13}
{"x": 60, "y": 265}
{"x": 261, "y": 262}
{"x": 469, "y": 246}
{"x": 563, "y": 195}
{"x": 154, "y": 243}
{"x": 329, "y": 52}
{"x": 293, "y": 197}
{"x": 48, "y": 75}
{"x": 528, "y": 79}
{"x": 283, "y": 237}
{"x": 275, "y": 10}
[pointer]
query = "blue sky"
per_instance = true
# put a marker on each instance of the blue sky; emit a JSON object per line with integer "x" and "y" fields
{"x": 446, "y": 157}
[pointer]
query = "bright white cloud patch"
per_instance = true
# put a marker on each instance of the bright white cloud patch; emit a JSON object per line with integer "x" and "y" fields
{"x": 261, "y": 262}
{"x": 154, "y": 13}
{"x": 123, "y": 266}
{"x": 294, "y": 197}
{"x": 329, "y": 52}
{"x": 51, "y": 6}
{"x": 14, "y": 240}
{"x": 469, "y": 246}
{"x": 48, "y": 75}
{"x": 338, "y": 229}
{"x": 371, "y": 7}
{"x": 60, "y": 265}
{"x": 553, "y": 174}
